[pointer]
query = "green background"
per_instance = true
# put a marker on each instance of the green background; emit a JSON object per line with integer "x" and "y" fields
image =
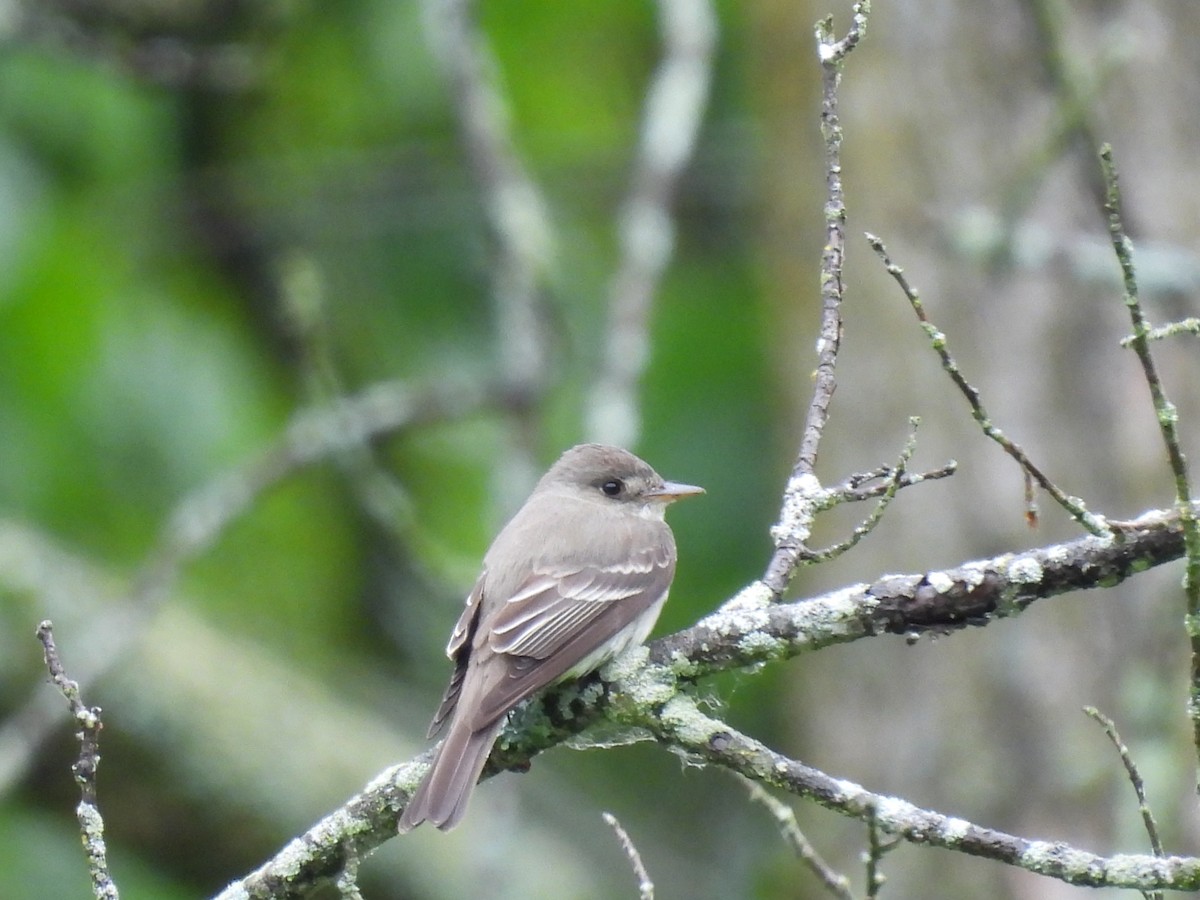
{"x": 213, "y": 215}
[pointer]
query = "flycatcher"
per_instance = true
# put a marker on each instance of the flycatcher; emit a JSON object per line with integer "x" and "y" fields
{"x": 579, "y": 574}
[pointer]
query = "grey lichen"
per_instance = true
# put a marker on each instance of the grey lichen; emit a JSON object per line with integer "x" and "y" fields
{"x": 682, "y": 716}
{"x": 801, "y": 500}
{"x": 1025, "y": 570}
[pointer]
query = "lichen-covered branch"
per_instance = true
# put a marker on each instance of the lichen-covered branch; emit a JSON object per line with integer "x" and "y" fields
{"x": 91, "y": 824}
{"x": 749, "y": 630}
{"x": 1183, "y": 326}
{"x": 646, "y": 689}
{"x": 684, "y": 725}
{"x": 803, "y": 496}
{"x": 1168, "y": 422}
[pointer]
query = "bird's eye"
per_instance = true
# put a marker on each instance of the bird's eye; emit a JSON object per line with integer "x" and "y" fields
{"x": 612, "y": 487}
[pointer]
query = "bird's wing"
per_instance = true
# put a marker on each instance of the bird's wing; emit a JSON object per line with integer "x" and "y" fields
{"x": 550, "y": 608}
{"x": 557, "y": 619}
{"x": 464, "y": 628}
{"x": 459, "y": 650}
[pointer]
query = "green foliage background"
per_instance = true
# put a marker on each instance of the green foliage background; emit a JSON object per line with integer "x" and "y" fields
{"x": 153, "y": 231}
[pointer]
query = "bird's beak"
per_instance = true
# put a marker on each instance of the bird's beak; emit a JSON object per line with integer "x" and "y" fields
{"x": 673, "y": 490}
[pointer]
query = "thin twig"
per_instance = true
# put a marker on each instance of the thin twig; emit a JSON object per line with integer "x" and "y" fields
{"x": 645, "y": 885}
{"x": 859, "y": 486}
{"x": 685, "y": 725}
{"x": 671, "y": 118}
{"x": 1184, "y": 326}
{"x": 312, "y": 436}
{"x": 1094, "y": 523}
{"x": 795, "y": 520}
{"x": 1168, "y": 419}
{"x": 888, "y": 493}
{"x": 91, "y": 824}
{"x": 1135, "y": 779}
{"x": 785, "y": 819}
{"x": 1077, "y": 82}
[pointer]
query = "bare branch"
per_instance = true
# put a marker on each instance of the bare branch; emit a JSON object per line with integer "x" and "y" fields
{"x": 1135, "y": 779}
{"x": 746, "y": 631}
{"x": 1168, "y": 420}
{"x": 91, "y": 824}
{"x": 1073, "y": 505}
{"x": 520, "y": 223}
{"x": 1077, "y": 82}
{"x": 641, "y": 688}
{"x": 888, "y": 493}
{"x": 803, "y": 489}
{"x": 674, "y": 110}
{"x": 785, "y": 819}
{"x": 311, "y": 437}
{"x": 859, "y": 485}
{"x": 684, "y": 725}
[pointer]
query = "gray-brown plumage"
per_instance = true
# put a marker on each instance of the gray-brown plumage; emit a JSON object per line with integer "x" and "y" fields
{"x": 576, "y": 576}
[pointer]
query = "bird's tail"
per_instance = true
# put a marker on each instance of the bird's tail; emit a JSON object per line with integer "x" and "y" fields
{"x": 442, "y": 795}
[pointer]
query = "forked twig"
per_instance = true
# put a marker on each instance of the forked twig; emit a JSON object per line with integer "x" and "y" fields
{"x": 1094, "y": 523}
{"x": 1168, "y": 420}
{"x": 802, "y": 496}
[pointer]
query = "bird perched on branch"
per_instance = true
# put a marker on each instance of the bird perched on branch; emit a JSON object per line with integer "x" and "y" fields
{"x": 578, "y": 575}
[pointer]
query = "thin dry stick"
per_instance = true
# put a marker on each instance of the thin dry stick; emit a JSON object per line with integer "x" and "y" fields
{"x": 1073, "y": 505}
{"x": 888, "y": 493}
{"x": 1168, "y": 418}
{"x": 859, "y": 486}
{"x": 1183, "y": 326}
{"x": 803, "y": 489}
{"x": 785, "y": 818}
{"x": 91, "y": 824}
{"x": 645, "y": 885}
{"x": 1135, "y": 778}
{"x": 674, "y": 109}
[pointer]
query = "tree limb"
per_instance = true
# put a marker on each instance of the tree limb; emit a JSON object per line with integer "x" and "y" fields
{"x": 646, "y": 689}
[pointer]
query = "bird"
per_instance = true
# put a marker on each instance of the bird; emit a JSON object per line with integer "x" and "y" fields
{"x": 578, "y": 575}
